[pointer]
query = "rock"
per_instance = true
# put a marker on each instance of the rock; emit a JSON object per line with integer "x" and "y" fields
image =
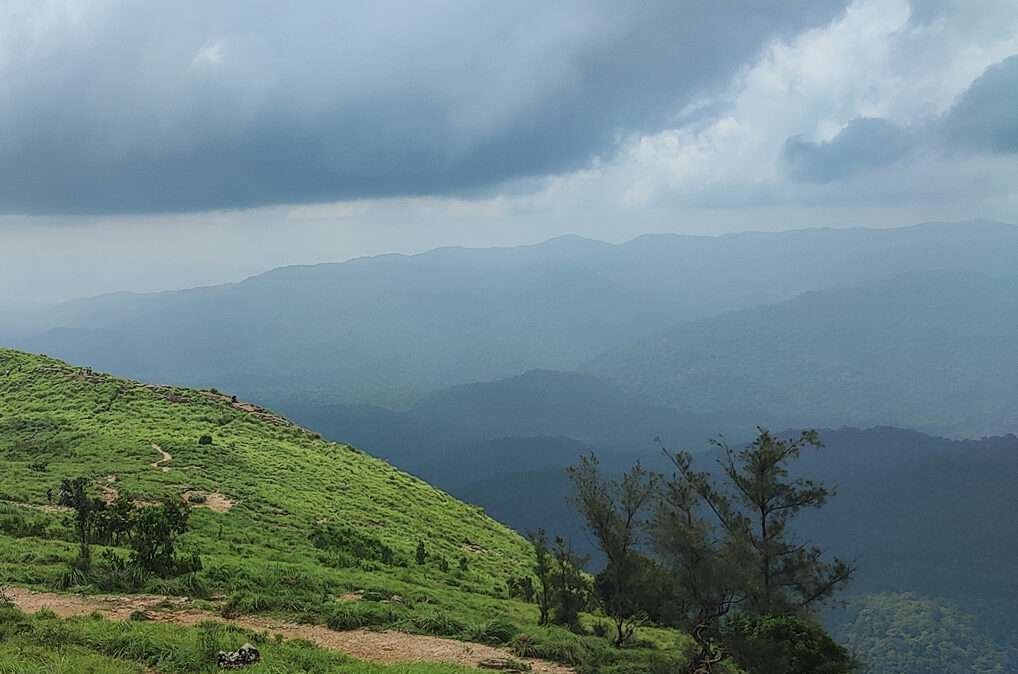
{"x": 242, "y": 657}
{"x": 501, "y": 664}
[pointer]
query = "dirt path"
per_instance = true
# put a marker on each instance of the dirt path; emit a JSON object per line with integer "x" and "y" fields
{"x": 388, "y": 647}
{"x": 165, "y": 457}
{"x": 43, "y": 507}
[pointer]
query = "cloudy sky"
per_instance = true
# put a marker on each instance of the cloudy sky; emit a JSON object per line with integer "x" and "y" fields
{"x": 151, "y": 145}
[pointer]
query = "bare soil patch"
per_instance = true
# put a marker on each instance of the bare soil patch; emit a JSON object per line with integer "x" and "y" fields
{"x": 213, "y": 500}
{"x": 164, "y": 457}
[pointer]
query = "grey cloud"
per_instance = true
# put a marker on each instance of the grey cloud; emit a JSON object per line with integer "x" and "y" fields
{"x": 985, "y": 117}
{"x": 185, "y": 106}
{"x": 864, "y": 144}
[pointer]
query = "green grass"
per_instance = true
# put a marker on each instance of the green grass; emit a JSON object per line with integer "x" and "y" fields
{"x": 292, "y": 490}
{"x": 46, "y": 644}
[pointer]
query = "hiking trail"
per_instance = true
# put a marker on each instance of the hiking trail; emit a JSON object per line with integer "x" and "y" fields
{"x": 386, "y": 647}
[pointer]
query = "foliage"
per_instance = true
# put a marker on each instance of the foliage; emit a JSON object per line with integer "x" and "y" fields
{"x": 543, "y": 571}
{"x": 614, "y": 511}
{"x": 756, "y": 510}
{"x": 117, "y": 520}
{"x": 521, "y": 587}
{"x": 345, "y": 540}
{"x": 570, "y": 586}
{"x": 154, "y": 538}
{"x": 86, "y": 516}
{"x": 784, "y": 644}
{"x": 892, "y": 633}
{"x": 706, "y": 560}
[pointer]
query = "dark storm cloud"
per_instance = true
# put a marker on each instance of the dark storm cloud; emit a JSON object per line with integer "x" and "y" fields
{"x": 985, "y": 117}
{"x": 182, "y": 106}
{"x": 864, "y": 144}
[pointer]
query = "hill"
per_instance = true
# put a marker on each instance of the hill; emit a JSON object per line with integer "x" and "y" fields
{"x": 932, "y": 350}
{"x": 303, "y": 535}
{"x": 389, "y": 329}
{"x": 466, "y": 432}
{"x": 59, "y": 421}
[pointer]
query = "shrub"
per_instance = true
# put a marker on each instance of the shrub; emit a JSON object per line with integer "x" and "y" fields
{"x": 438, "y": 624}
{"x": 494, "y": 631}
{"x": 782, "y": 644}
{"x": 154, "y": 538}
{"x": 352, "y": 616}
{"x": 346, "y": 545}
{"x": 205, "y": 439}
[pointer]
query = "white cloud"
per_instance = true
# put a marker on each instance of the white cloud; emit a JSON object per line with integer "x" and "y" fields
{"x": 877, "y": 60}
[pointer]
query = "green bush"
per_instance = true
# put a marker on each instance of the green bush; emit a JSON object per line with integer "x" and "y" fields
{"x": 782, "y": 644}
{"x": 346, "y": 545}
{"x": 495, "y": 631}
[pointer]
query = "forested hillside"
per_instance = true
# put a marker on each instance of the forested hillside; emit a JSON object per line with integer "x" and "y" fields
{"x": 393, "y": 328}
{"x": 933, "y": 351}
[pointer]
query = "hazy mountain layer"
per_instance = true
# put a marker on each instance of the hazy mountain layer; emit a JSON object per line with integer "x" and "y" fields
{"x": 935, "y": 351}
{"x": 389, "y": 329}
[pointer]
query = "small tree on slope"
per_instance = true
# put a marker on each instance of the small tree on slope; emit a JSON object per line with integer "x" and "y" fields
{"x": 614, "y": 512}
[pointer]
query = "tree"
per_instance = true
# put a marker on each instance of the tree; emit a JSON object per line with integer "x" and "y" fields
{"x": 571, "y": 591}
{"x": 87, "y": 510}
{"x": 521, "y": 587}
{"x": 614, "y": 511}
{"x": 730, "y": 548}
{"x": 116, "y": 521}
{"x": 542, "y": 569}
{"x": 155, "y": 534}
{"x": 783, "y": 576}
{"x": 421, "y": 554}
{"x": 707, "y": 561}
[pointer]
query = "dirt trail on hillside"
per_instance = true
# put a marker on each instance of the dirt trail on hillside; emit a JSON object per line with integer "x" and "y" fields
{"x": 42, "y": 507}
{"x": 388, "y": 647}
{"x": 165, "y": 457}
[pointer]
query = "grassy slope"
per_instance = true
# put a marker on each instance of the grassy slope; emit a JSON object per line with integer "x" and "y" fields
{"x": 45, "y": 644}
{"x": 58, "y": 421}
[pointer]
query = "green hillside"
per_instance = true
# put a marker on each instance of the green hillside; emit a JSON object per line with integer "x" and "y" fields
{"x": 274, "y": 484}
{"x": 59, "y": 421}
{"x": 286, "y": 524}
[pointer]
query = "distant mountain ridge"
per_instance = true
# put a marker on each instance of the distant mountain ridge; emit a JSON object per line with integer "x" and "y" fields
{"x": 931, "y": 350}
{"x": 463, "y": 433}
{"x": 390, "y": 329}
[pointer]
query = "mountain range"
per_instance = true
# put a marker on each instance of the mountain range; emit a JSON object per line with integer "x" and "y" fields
{"x": 391, "y": 330}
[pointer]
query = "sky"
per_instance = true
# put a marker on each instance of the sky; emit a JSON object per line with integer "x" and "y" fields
{"x": 161, "y": 145}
